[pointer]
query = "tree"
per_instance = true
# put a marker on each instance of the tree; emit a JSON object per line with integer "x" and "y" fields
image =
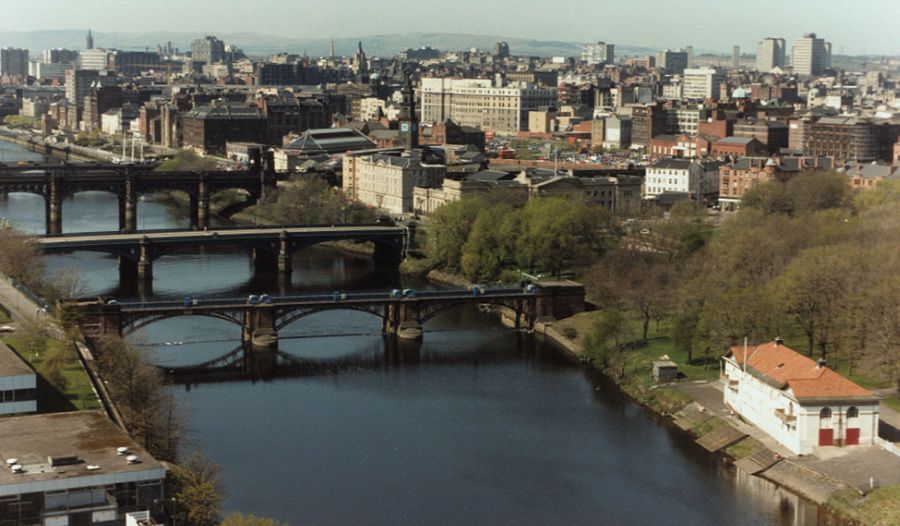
{"x": 818, "y": 190}
{"x": 199, "y": 493}
{"x": 447, "y": 231}
{"x": 812, "y": 290}
{"x": 484, "y": 254}
{"x": 239, "y": 519}
{"x": 607, "y": 339}
{"x": 20, "y": 258}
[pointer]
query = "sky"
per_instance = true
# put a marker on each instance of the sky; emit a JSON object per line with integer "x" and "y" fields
{"x": 855, "y": 27}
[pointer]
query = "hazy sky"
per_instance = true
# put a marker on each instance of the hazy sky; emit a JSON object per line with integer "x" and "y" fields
{"x": 862, "y": 26}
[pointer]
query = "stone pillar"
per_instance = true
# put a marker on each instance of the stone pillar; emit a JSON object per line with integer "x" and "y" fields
{"x": 128, "y": 205}
{"x": 145, "y": 267}
{"x": 194, "y": 210}
{"x": 401, "y": 319}
{"x": 202, "y": 203}
{"x": 284, "y": 254}
{"x": 258, "y": 328}
{"x": 54, "y": 206}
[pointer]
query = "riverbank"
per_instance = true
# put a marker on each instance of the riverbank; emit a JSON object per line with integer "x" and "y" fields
{"x": 695, "y": 404}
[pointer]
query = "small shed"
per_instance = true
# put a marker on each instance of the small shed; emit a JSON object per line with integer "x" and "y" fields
{"x": 665, "y": 370}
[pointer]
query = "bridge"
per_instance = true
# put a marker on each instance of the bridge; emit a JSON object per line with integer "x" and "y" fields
{"x": 271, "y": 248}
{"x": 402, "y": 313}
{"x": 129, "y": 183}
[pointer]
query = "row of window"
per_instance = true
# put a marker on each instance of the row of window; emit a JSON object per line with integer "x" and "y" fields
{"x": 18, "y": 395}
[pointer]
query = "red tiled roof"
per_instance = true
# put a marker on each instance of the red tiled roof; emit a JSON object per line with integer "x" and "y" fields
{"x": 790, "y": 369}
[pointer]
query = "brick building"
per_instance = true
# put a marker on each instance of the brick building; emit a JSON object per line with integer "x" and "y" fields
{"x": 208, "y": 128}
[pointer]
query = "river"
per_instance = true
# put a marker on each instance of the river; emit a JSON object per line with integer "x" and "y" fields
{"x": 475, "y": 425}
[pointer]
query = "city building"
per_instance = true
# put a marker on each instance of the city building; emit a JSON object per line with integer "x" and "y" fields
{"x": 207, "y": 50}
{"x": 850, "y": 138}
{"x": 94, "y": 59}
{"x": 647, "y": 121}
{"x": 810, "y": 55}
{"x": 73, "y": 468}
{"x": 59, "y": 56}
{"x": 799, "y": 402}
{"x": 672, "y": 61}
{"x": 501, "y": 49}
{"x": 599, "y": 53}
{"x": 695, "y": 179}
{"x": 773, "y": 134}
{"x": 477, "y": 102}
{"x": 50, "y": 71}
{"x": 770, "y": 53}
{"x": 868, "y": 175}
{"x": 13, "y": 61}
{"x": 734, "y": 147}
{"x": 701, "y": 83}
{"x": 492, "y": 185}
{"x": 387, "y": 181}
{"x": 681, "y": 146}
{"x": 208, "y": 128}
{"x": 18, "y": 384}
{"x": 78, "y": 84}
{"x": 739, "y": 176}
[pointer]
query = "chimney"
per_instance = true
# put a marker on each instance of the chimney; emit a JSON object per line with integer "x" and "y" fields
{"x": 820, "y": 363}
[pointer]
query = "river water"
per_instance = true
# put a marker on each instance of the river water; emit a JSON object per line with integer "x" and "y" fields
{"x": 475, "y": 425}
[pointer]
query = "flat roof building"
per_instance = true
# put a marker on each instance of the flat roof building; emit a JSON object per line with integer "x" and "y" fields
{"x": 73, "y": 468}
{"x": 18, "y": 384}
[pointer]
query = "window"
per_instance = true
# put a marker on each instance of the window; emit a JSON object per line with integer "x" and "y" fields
{"x": 825, "y": 417}
{"x": 852, "y": 415}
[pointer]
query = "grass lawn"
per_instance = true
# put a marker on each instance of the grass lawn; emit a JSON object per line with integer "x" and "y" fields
{"x": 4, "y": 318}
{"x": 880, "y": 507}
{"x": 67, "y": 391}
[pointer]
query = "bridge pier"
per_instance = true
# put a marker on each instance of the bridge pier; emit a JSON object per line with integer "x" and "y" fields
{"x": 258, "y": 328}
{"x": 402, "y": 320}
{"x": 128, "y": 205}
{"x": 202, "y": 204}
{"x": 54, "y": 206}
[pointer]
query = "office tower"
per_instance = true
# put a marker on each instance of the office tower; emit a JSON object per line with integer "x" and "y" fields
{"x": 770, "y": 54}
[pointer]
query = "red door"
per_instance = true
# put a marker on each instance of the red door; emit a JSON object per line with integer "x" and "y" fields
{"x": 852, "y": 436}
{"x": 826, "y": 437}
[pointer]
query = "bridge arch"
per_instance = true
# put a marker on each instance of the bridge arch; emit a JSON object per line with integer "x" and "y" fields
{"x": 135, "y": 323}
{"x": 290, "y": 316}
{"x": 431, "y": 310}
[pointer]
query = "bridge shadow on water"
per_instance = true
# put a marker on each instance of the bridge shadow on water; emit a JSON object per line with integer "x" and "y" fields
{"x": 243, "y": 364}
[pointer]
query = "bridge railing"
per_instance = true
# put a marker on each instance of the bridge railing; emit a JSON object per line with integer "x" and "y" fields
{"x": 222, "y": 229}
{"x": 189, "y": 302}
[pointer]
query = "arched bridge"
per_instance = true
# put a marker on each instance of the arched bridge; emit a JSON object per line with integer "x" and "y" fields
{"x": 402, "y": 315}
{"x": 271, "y": 248}
{"x": 128, "y": 183}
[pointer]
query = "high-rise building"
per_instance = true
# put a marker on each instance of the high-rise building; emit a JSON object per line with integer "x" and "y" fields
{"x": 208, "y": 50}
{"x": 599, "y": 53}
{"x": 59, "y": 56}
{"x": 672, "y": 61}
{"x": 78, "y": 84}
{"x": 13, "y": 61}
{"x": 501, "y": 49}
{"x": 770, "y": 54}
{"x": 96, "y": 59}
{"x": 690, "y": 56}
{"x": 736, "y": 57}
{"x": 702, "y": 83}
{"x": 810, "y": 55}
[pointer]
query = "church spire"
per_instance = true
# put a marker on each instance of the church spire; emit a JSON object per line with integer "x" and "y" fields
{"x": 89, "y": 41}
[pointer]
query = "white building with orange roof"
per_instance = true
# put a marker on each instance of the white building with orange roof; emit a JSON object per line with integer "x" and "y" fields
{"x": 801, "y": 403}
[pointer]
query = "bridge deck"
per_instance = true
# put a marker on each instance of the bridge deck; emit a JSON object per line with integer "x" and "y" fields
{"x": 71, "y": 241}
{"x": 318, "y": 300}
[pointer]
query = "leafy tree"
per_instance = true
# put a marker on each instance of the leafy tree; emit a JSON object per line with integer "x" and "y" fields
{"x": 812, "y": 191}
{"x": 484, "y": 255}
{"x": 608, "y": 338}
{"x": 20, "y": 258}
{"x": 311, "y": 200}
{"x": 199, "y": 493}
{"x": 448, "y": 230}
{"x": 885, "y": 192}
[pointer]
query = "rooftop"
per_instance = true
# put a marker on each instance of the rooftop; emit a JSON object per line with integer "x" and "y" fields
{"x": 90, "y": 440}
{"x": 785, "y": 368}
{"x": 11, "y": 364}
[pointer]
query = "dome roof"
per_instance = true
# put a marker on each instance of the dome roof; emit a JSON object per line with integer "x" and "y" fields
{"x": 740, "y": 93}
